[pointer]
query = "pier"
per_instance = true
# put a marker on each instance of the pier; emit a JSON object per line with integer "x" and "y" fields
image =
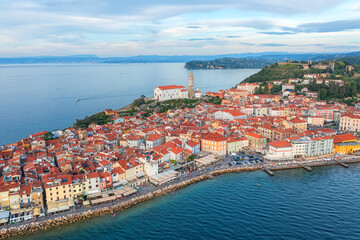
{"x": 309, "y": 169}
{"x": 269, "y": 172}
{"x": 343, "y": 164}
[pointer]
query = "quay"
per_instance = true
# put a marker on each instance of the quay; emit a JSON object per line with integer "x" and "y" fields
{"x": 344, "y": 163}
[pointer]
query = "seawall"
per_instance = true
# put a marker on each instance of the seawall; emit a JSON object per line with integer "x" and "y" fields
{"x": 76, "y": 217}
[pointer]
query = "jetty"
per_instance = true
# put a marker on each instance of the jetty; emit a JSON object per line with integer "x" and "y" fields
{"x": 309, "y": 169}
{"x": 268, "y": 171}
{"x": 343, "y": 164}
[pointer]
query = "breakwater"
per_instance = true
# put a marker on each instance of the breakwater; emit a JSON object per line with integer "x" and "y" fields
{"x": 76, "y": 217}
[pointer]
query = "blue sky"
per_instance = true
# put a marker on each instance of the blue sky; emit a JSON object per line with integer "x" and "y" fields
{"x": 168, "y": 27}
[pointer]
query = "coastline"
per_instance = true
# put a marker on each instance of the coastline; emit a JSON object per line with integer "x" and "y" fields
{"x": 45, "y": 224}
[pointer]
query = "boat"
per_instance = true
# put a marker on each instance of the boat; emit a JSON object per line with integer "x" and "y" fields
{"x": 77, "y": 100}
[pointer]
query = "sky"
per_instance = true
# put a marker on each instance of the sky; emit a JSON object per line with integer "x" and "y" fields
{"x": 176, "y": 27}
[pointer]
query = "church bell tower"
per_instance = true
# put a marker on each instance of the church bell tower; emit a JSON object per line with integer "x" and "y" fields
{"x": 191, "y": 85}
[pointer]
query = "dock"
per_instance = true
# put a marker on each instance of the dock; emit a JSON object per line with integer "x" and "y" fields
{"x": 343, "y": 164}
{"x": 309, "y": 169}
{"x": 268, "y": 171}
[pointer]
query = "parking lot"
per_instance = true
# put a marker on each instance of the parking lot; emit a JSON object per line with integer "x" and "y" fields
{"x": 243, "y": 159}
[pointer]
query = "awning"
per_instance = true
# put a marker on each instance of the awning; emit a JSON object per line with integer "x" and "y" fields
{"x": 129, "y": 192}
{"x": 120, "y": 183}
{"x": 4, "y": 220}
{"x": 126, "y": 191}
{"x": 206, "y": 160}
{"x": 101, "y": 200}
{"x": 94, "y": 195}
{"x": 140, "y": 174}
{"x": 164, "y": 176}
{"x": 51, "y": 210}
{"x": 63, "y": 208}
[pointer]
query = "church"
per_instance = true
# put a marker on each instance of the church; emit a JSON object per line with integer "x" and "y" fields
{"x": 170, "y": 92}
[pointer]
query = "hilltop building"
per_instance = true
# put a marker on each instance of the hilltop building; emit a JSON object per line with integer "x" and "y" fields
{"x": 170, "y": 92}
{"x": 248, "y": 87}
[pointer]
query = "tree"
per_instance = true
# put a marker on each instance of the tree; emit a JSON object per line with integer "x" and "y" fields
{"x": 48, "y": 136}
{"x": 266, "y": 89}
{"x": 191, "y": 158}
{"x": 275, "y": 89}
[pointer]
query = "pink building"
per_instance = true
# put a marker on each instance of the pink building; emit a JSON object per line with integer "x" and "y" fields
{"x": 325, "y": 112}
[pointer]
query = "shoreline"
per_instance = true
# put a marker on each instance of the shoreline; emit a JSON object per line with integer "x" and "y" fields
{"x": 45, "y": 224}
{"x": 69, "y": 218}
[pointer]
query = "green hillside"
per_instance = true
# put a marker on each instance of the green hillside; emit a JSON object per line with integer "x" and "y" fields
{"x": 228, "y": 63}
{"x": 276, "y": 72}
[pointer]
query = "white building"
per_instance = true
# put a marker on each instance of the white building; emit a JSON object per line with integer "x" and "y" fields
{"x": 154, "y": 141}
{"x": 151, "y": 167}
{"x": 312, "y": 147}
{"x": 93, "y": 183}
{"x": 227, "y": 114}
{"x": 280, "y": 150}
{"x": 198, "y": 94}
{"x": 249, "y": 87}
{"x": 163, "y": 93}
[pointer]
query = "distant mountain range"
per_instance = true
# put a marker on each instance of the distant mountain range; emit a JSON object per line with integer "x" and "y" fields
{"x": 268, "y": 56}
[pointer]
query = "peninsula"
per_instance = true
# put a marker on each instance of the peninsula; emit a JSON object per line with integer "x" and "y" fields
{"x": 118, "y": 158}
{"x": 228, "y": 63}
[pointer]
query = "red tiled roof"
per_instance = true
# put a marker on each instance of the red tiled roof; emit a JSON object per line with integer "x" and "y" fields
{"x": 254, "y": 135}
{"x": 168, "y": 87}
{"x": 214, "y": 137}
{"x": 344, "y": 137}
{"x": 280, "y": 144}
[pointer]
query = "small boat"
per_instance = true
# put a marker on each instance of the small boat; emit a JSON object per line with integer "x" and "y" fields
{"x": 258, "y": 184}
{"x": 173, "y": 192}
{"x": 77, "y": 100}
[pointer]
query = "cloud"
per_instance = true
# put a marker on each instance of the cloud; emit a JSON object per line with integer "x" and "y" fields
{"x": 231, "y": 36}
{"x": 138, "y": 27}
{"x": 321, "y": 27}
{"x": 200, "y": 39}
{"x": 273, "y": 44}
{"x": 277, "y": 33}
{"x": 193, "y": 27}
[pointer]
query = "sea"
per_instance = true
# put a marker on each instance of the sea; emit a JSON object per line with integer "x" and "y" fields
{"x": 40, "y": 97}
{"x": 293, "y": 204}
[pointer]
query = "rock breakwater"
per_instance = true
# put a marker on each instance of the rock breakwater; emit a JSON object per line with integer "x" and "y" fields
{"x": 11, "y": 232}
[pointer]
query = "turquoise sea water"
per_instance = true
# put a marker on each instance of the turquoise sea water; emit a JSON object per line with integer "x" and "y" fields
{"x": 294, "y": 204}
{"x": 40, "y": 97}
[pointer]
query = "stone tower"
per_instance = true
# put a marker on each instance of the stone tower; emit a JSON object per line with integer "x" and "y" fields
{"x": 191, "y": 85}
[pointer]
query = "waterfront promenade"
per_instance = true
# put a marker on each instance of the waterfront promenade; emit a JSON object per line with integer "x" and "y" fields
{"x": 147, "y": 193}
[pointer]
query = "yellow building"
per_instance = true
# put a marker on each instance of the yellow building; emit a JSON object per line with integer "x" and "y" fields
{"x": 299, "y": 125}
{"x": 346, "y": 144}
{"x": 78, "y": 185}
{"x": 14, "y": 196}
{"x": 5, "y": 189}
{"x": 130, "y": 167}
{"x": 58, "y": 192}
